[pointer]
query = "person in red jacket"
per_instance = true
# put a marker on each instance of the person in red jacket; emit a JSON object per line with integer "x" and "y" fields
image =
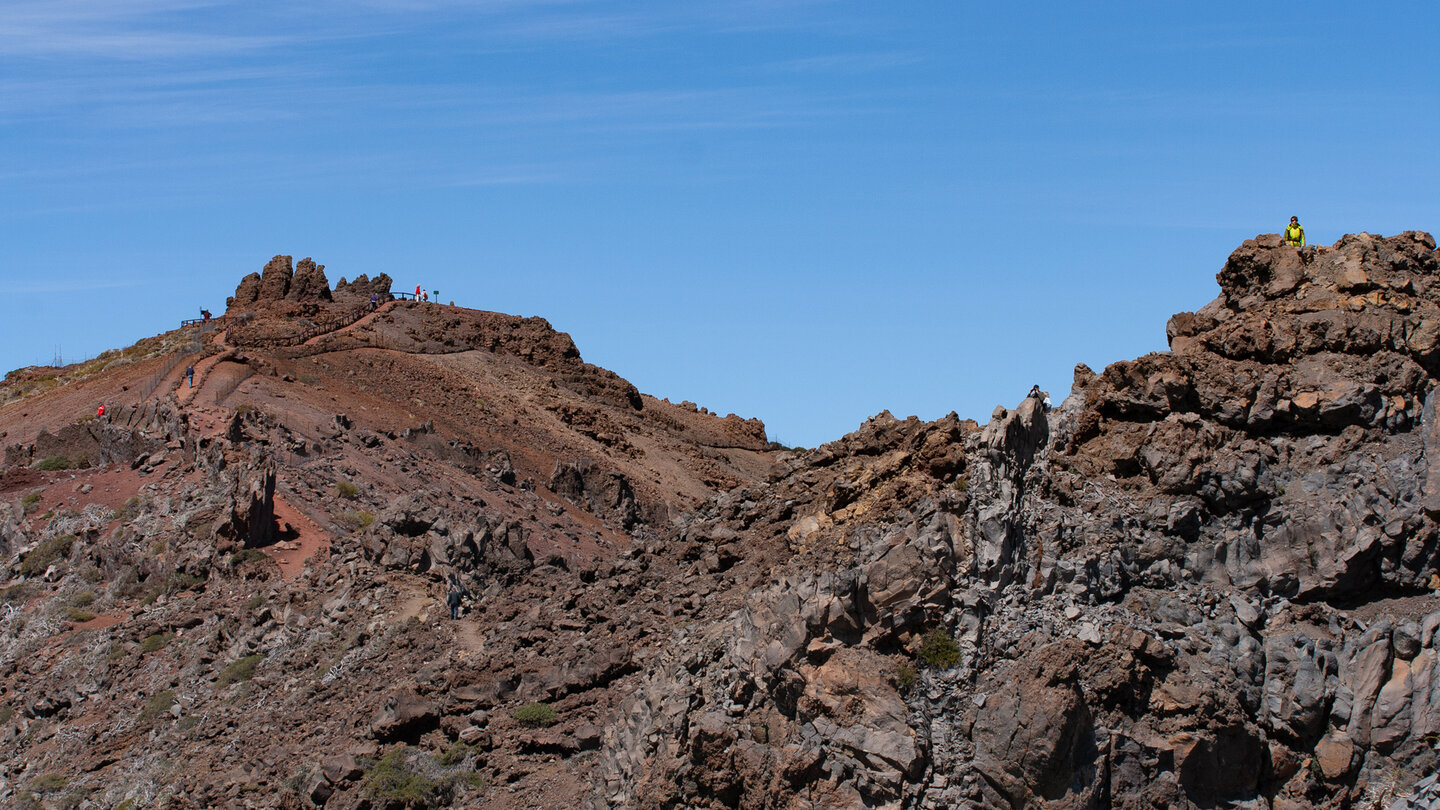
{"x": 100, "y": 411}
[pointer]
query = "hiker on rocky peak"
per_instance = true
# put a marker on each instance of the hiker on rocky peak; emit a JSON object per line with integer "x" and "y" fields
{"x": 1294, "y": 234}
{"x": 100, "y": 411}
{"x": 1036, "y": 393}
{"x": 417, "y": 292}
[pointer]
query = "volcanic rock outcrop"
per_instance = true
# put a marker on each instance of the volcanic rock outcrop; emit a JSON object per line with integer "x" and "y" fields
{"x": 1207, "y": 578}
{"x": 281, "y": 280}
{"x": 363, "y": 286}
{"x": 1185, "y": 586}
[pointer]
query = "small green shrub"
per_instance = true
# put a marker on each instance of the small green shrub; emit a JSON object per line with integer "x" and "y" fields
{"x": 50, "y": 782}
{"x": 83, "y": 599}
{"x": 49, "y": 551}
{"x": 6, "y": 713}
{"x": 391, "y": 780}
{"x": 355, "y": 521}
{"x": 255, "y": 601}
{"x": 158, "y": 706}
{"x": 181, "y": 581}
{"x": 52, "y": 463}
{"x": 938, "y": 650}
{"x": 130, "y": 510}
{"x": 30, "y": 502}
{"x": 79, "y": 615}
{"x": 156, "y": 642}
{"x": 17, "y": 594}
{"x": 469, "y": 779}
{"x": 905, "y": 676}
{"x": 242, "y": 670}
{"x": 455, "y": 754}
{"x": 248, "y": 555}
{"x": 536, "y": 715}
{"x": 347, "y": 490}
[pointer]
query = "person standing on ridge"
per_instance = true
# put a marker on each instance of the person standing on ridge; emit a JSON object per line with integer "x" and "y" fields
{"x": 417, "y": 292}
{"x": 100, "y": 411}
{"x": 1294, "y": 234}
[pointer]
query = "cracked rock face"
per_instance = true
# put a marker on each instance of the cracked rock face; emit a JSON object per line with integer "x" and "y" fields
{"x": 1177, "y": 589}
{"x": 1207, "y": 578}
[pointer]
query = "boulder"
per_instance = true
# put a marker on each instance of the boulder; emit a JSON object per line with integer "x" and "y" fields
{"x": 1034, "y": 737}
{"x": 405, "y": 717}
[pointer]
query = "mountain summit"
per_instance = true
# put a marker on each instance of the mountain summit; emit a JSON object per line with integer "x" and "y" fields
{"x": 1205, "y": 578}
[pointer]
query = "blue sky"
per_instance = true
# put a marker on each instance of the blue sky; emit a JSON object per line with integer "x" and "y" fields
{"x": 798, "y": 210}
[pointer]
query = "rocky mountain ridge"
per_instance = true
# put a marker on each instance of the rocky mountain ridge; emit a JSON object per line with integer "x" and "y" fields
{"x": 1205, "y": 579}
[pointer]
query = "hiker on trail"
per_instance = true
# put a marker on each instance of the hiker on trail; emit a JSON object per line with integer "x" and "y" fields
{"x": 454, "y": 602}
{"x": 204, "y": 313}
{"x": 417, "y": 292}
{"x": 374, "y": 300}
{"x": 100, "y": 411}
{"x": 190, "y": 375}
{"x": 424, "y": 296}
{"x": 1294, "y": 234}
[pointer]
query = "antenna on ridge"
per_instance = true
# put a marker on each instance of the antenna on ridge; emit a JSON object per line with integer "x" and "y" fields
{"x": 58, "y": 361}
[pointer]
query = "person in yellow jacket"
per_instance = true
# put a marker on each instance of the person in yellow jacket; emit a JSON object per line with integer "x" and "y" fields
{"x": 1294, "y": 234}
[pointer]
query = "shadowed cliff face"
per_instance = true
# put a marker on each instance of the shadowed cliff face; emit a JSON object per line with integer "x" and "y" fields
{"x": 1204, "y": 579}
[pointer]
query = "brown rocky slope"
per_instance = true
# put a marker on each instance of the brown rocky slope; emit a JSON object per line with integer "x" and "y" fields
{"x": 1204, "y": 579}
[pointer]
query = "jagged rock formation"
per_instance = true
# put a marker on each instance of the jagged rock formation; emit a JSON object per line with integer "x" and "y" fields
{"x": 309, "y": 282}
{"x": 1206, "y": 578}
{"x": 281, "y": 280}
{"x": 363, "y": 286}
{"x": 1152, "y": 586}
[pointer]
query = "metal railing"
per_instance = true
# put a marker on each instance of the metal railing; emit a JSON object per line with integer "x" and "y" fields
{"x": 228, "y": 387}
{"x": 161, "y": 373}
